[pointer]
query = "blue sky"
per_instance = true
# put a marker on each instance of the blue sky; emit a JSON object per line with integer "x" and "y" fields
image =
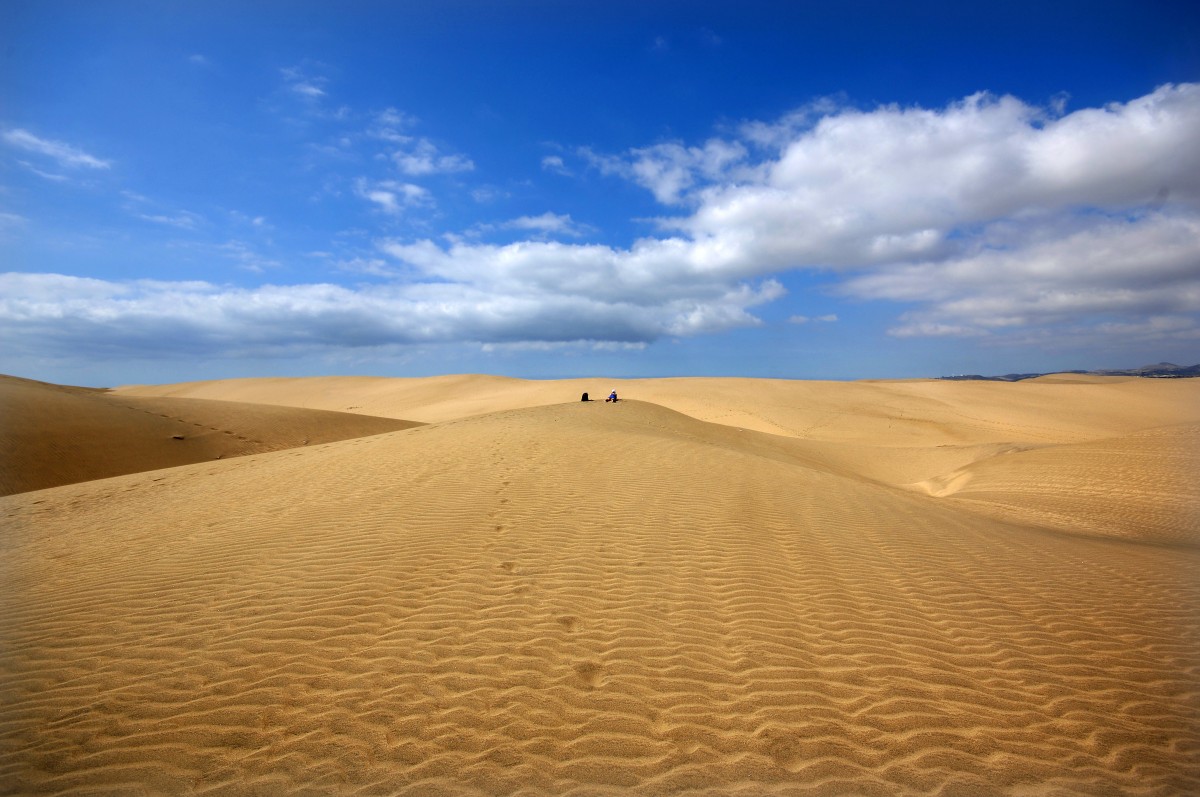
{"x": 543, "y": 189}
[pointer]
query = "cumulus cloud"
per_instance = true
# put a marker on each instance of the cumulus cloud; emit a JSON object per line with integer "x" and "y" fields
{"x": 989, "y": 218}
{"x": 65, "y": 155}
{"x": 990, "y": 213}
{"x": 422, "y": 157}
{"x": 869, "y": 188}
{"x": 670, "y": 170}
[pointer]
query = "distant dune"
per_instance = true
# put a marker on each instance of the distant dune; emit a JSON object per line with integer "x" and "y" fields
{"x": 714, "y": 586}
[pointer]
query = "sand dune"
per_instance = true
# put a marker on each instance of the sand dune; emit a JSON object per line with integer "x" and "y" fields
{"x": 54, "y": 434}
{"x": 921, "y": 412}
{"x": 891, "y": 588}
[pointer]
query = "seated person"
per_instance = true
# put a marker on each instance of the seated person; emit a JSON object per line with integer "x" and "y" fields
{"x": 612, "y": 396}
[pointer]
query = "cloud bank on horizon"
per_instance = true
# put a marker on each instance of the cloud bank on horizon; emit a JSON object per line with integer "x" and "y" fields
{"x": 989, "y": 220}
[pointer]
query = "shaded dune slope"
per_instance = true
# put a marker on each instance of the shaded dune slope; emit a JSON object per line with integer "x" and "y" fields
{"x": 52, "y": 435}
{"x": 587, "y": 599}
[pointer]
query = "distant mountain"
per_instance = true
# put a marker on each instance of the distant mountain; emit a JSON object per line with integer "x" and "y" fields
{"x": 1156, "y": 371}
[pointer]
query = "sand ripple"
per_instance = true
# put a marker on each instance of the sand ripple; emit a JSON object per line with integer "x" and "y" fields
{"x": 586, "y": 599}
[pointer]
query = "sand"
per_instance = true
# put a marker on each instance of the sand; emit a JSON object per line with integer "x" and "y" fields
{"x": 55, "y": 434}
{"x": 712, "y": 587}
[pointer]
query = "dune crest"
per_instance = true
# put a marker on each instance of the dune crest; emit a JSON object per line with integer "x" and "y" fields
{"x": 587, "y": 598}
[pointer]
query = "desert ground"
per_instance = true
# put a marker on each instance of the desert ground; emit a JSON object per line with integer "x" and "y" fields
{"x": 481, "y": 585}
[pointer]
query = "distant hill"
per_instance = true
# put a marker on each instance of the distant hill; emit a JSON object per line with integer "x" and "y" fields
{"x": 1156, "y": 371}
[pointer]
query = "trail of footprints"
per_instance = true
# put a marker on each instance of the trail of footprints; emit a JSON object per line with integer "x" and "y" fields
{"x": 229, "y": 432}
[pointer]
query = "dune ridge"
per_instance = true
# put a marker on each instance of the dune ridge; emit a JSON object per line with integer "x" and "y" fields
{"x": 923, "y": 411}
{"x": 570, "y": 598}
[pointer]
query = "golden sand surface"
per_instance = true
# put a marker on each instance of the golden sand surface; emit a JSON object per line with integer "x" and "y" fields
{"x": 715, "y": 586}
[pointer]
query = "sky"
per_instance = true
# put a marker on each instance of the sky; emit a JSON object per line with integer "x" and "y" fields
{"x": 811, "y": 190}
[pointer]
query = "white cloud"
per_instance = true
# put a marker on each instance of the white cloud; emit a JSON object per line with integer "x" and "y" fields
{"x": 542, "y": 226}
{"x": 670, "y": 170}
{"x": 485, "y": 194}
{"x": 299, "y": 81}
{"x": 893, "y": 185}
{"x": 95, "y": 316}
{"x": 392, "y": 197}
{"x": 1021, "y": 276}
{"x": 821, "y": 319}
{"x": 414, "y": 156}
{"x": 146, "y": 209}
{"x": 56, "y": 178}
{"x": 421, "y": 157}
{"x": 930, "y": 329}
{"x": 11, "y": 220}
{"x": 65, "y": 155}
{"x": 245, "y": 219}
{"x": 555, "y": 165}
{"x": 989, "y": 214}
{"x": 561, "y": 224}
{"x": 184, "y": 220}
{"x": 391, "y": 119}
{"x": 246, "y": 256}
{"x": 988, "y": 218}
{"x": 306, "y": 89}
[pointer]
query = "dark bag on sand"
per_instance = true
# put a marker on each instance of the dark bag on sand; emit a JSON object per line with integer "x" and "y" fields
{"x": 585, "y": 398}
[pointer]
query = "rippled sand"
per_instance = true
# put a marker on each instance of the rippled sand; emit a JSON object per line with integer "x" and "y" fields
{"x": 716, "y": 586}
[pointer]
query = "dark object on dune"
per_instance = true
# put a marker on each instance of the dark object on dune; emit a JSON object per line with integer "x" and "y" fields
{"x": 585, "y": 398}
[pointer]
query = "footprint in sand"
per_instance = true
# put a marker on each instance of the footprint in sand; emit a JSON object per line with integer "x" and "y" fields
{"x": 590, "y": 673}
{"x": 568, "y": 622}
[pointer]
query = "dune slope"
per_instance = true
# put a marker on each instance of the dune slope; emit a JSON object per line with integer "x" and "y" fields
{"x": 55, "y": 434}
{"x": 930, "y": 436}
{"x": 586, "y": 599}
{"x": 1141, "y": 486}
